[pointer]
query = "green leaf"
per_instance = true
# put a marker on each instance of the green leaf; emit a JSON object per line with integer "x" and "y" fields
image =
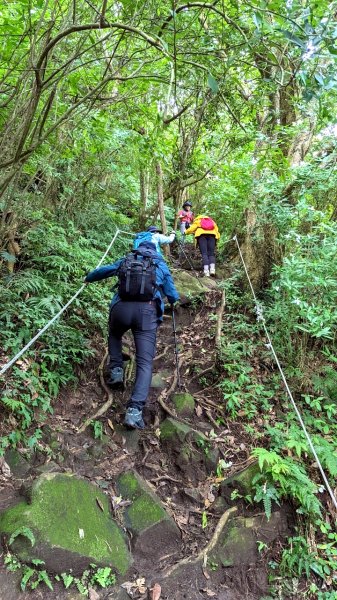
{"x": 212, "y": 83}
{"x": 258, "y": 20}
{"x": 26, "y": 532}
{"x": 294, "y": 38}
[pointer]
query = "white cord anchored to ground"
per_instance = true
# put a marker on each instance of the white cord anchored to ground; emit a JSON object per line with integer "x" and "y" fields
{"x": 55, "y": 317}
{"x": 260, "y": 318}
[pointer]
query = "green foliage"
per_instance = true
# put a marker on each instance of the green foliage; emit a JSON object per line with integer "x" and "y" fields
{"x": 34, "y": 574}
{"x": 97, "y": 429}
{"x": 30, "y": 297}
{"x": 24, "y": 531}
{"x": 289, "y": 478}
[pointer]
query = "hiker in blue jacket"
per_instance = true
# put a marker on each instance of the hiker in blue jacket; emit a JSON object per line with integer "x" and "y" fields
{"x": 141, "y": 316}
{"x": 153, "y": 234}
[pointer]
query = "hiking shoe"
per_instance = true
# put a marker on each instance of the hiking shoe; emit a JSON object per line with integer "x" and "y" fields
{"x": 115, "y": 378}
{"x": 212, "y": 270}
{"x": 134, "y": 418}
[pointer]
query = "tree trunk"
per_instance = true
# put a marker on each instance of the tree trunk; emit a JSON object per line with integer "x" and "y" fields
{"x": 144, "y": 193}
{"x": 160, "y": 193}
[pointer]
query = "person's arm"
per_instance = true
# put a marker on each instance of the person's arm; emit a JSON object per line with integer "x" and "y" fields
{"x": 103, "y": 272}
{"x": 167, "y": 284}
{"x": 192, "y": 228}
{"x": 165, "y": 239}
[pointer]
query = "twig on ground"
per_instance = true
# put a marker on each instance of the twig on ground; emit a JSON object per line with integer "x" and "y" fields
{"x": 209, "y": 416}
{"x": 161, "y": 477}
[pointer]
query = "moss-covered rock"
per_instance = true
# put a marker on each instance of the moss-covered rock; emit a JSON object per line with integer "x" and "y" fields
{"x": 189, "y": 286}
{"x": 18, "y": 465}
{"x": 159, "y": 380}
{"x": 241, "y": 481}
{"x": 152, "y": 529}
{"x": 238, "y": 542}
{"x": 191, "y": 450}
{"x": 72, "y": 526}
{"x": 175, "y": 432}
{"x": 184, "y": 404}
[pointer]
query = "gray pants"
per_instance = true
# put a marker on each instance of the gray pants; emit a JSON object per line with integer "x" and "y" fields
{"x": 141, "y": 318}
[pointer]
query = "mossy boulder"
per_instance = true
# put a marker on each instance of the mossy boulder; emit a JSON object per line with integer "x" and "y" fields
{"x": 174, "y": 432}
{"x": 153, "y": 530}
{"x": 71, "y": 524}
{"x": 159, "y": 380}
{"x": 191, "y": 287}
{"x": 184, "y": 404}
{"x": 241, "y": 481}
{"x": 238, "y": 543}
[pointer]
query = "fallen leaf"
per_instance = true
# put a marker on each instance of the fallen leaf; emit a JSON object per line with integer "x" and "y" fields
{"x": 93, "y": 594}
{"x": 100, "y": 504}
{"x": 4, "y": 467}
{"x": 198, "y": 410}
{"x": 118, "y": 502}
{"x": 156, "y": 592}
{"x": 140, "y": 583}
{"x": 206, "y": 575}
{"x": 111, "y": 425}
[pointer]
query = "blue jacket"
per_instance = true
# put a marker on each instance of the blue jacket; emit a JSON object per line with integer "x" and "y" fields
{"x": 164, "y": 281}
{"x": 157, "y": 239}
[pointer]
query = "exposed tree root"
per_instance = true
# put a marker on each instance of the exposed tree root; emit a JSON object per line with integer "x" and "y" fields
{"x": 203, "y": 554}
{"x": 106, "y": 405}
{"x": 219, "y": 321}
{"x": 201, "y": 373}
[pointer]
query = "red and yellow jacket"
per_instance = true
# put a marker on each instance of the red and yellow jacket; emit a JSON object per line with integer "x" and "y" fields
{"x": 198, "y": 230}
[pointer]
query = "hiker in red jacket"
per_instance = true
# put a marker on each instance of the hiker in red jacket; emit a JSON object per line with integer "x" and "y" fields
{"x": 186, "y": 217}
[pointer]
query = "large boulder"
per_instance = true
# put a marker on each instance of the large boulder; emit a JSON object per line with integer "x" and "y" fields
{"x": 71, "y": 524}
{"x": 154, "y": 533}
{"x": 191, "y": 287}
{"x": 238, "y": 543}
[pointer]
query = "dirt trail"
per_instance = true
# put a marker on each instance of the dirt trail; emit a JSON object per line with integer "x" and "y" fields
{"x": 186, "y": 493}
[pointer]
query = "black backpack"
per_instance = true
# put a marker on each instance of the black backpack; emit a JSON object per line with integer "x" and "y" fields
{"x": 137, "y": 278}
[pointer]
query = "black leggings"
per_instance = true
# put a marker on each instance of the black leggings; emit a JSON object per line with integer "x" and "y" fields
{"x": 206, "y": 242}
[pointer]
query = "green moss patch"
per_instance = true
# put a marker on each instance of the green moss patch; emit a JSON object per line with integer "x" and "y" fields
{"x": 67, "y": 519}
{"x": 184, "y": 403}
{"x": 174, "y": 431}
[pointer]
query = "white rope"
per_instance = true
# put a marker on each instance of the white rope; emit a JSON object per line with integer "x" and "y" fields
{"x": 128, "y": 233}
{"x": 47, "y": 325}
{"x": 260, "y": 317}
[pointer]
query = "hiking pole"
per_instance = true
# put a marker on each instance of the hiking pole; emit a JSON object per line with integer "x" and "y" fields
{"x": 176, "y": 351}
{"x": 184, "y": 253}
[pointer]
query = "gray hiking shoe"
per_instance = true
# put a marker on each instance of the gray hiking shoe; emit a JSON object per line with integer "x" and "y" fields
{"x": 134, "y": 418}
{"x": 115, "y": 378}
